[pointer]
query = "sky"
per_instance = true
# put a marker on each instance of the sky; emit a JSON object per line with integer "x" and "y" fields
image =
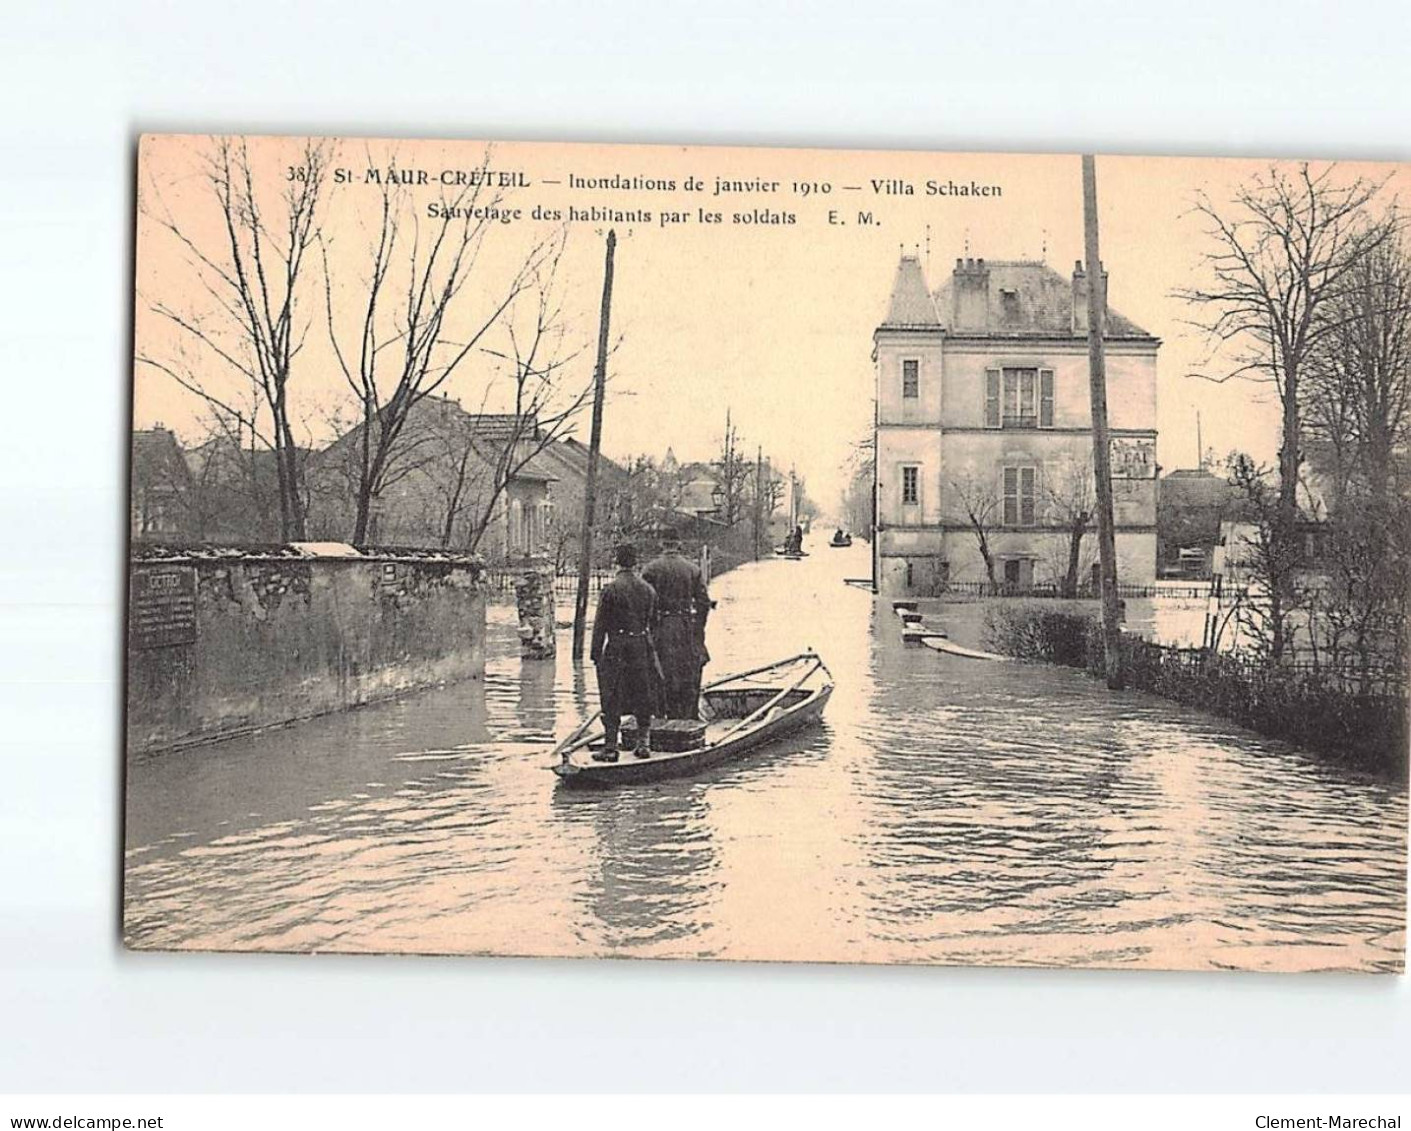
{"x": 767, "y": 318}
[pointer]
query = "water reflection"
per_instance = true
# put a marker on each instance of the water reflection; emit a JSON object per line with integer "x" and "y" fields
{"x": 948, "y": 810}
{"x": 653, "y": 862}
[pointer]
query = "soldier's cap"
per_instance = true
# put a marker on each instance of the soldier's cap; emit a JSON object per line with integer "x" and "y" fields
{"x": 625, "y": 555}
{"x": 670, "y": 536}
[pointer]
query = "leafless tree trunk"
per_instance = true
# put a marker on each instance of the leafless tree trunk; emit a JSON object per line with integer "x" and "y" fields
{"x": 1359, "y": 408}
{"x": 732, "y": 472}
{"x": 1358, "y": 395}
{"x": 412, "y": 335}
{"x": 1272, "y": 556}
{"x": 979, "y": 504}
{"x": 1071, "y": 495}
{"x": 251, "y": 283}
{"x": 1284, "y": 249}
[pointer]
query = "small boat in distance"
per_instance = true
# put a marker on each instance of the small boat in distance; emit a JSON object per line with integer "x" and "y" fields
{"x": 840, "y": 539}
{"x": 742, "y": 712}
{"x": 792, "y": 555}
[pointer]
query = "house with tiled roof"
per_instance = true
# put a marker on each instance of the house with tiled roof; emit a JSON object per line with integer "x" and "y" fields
{"x": 158, "y": 505}
{"x": 441, "y": 483}
{"x": 984, "y": 425}
{"x": 569, "y": 460}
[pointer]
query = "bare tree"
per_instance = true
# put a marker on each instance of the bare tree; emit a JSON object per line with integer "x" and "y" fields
{"x": 733, "y": 471}
{"x": 415, "y": 331}
{"x": 1070, "y": 490}
{"x": 1358, "y": 409}
{"x": 858, "y": 495}
{"x": 979, "y": 507}
{"x": 249, "y": 320}
{"x": 1270, "y": 556}
{"x": 441, "y": 446}
{"x": 1284, "y": 249}
{"x": 234, "y": 490}
{"x": 1358, "y": 395}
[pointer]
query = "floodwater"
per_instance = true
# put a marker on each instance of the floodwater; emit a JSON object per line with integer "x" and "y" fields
{"x": 947, "y": 811}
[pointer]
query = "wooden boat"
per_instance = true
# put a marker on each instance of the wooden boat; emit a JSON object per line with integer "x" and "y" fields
{"x": 838, "y": 543}
{"x": 742, "y": 712}
{"x": 792, "y": 555}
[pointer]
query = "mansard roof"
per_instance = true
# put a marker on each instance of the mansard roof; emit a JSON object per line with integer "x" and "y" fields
{"x": 1021, "y": 298}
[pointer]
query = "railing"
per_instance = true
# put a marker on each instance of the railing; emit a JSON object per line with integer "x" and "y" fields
{"x": 984, "y": 589}
{"x": 500, "y": 581}
{"x": 1382, "y": 680}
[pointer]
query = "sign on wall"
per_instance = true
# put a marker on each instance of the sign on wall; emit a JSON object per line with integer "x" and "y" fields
{"x": 1133, "y": 458}
{"x": 163, "y": 607}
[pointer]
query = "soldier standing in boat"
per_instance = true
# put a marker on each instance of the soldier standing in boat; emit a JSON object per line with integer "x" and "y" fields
{"x": 624, "y": 654}
{"x": 683, "y": 604}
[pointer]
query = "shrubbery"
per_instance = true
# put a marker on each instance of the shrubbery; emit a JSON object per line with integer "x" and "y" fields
{"x": 1037, "y": 632}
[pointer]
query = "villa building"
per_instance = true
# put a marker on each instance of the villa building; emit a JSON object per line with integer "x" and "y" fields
{"x": 983, "y": 430}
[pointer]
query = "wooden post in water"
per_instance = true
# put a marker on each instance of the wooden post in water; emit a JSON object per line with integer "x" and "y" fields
{"x": 1102, "y": 455}
{"x": 758, "y": 499}
{"x": 595, "y": 439}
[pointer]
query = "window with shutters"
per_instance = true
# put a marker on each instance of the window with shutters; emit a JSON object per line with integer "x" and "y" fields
{"x": 1019, "y": 398}
{"x": 910, "y": 485}
{"x": 1020, "y": 492}
{"x": 911, "y": 379}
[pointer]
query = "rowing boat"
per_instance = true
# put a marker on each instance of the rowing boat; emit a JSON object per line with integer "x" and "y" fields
{"x": 742, "y": 712}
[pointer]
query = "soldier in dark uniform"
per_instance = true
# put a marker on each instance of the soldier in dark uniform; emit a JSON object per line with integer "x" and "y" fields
{"x": 683, "y": 604}
{"x": 622, "y": 650}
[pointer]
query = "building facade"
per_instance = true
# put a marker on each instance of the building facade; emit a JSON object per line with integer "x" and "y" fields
{"x": 984, "y": 431}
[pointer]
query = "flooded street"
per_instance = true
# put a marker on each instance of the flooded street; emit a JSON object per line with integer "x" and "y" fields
{"x": 947, "y": 810}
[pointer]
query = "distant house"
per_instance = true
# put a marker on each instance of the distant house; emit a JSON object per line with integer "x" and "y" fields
{"x": 1236, "y": 553}
{"x": 234, "y": 492}
{"x": 440, "y": 486}
{"x": 698, "y": 493}
{"x": 161, "y": 488}
{"x": 568, "y": 459}
{"x": 1191, "y": 504}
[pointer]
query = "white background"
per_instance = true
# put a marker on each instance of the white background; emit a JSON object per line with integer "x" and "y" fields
{"x": 1289, "y": 78}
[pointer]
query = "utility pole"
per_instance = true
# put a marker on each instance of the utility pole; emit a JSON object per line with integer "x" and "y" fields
{"x": 1102, "y": 455}
{"x": 595, "y": 439}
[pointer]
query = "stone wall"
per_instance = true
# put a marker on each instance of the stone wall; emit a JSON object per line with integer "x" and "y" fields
{"x": 222, "y": 641}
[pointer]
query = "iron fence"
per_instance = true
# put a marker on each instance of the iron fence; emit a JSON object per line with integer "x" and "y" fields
{"x": 501, "y": 581}
{"x": 985, "y": 589}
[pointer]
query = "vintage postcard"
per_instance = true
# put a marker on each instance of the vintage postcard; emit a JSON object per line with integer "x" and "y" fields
{"x": 830, "y": 556}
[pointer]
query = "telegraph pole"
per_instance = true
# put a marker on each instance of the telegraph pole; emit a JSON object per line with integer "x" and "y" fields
{"x": 1102, "y": 455}
{"x": 595, "y": 439}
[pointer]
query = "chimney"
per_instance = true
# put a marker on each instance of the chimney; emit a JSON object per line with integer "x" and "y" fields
{"x": 1080, "y": 297}
{"x": 970, "y": 294}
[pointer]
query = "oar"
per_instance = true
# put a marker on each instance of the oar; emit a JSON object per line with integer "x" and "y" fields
{"x": 809, "y": 655}
{"x": 760, "y": 711}
{"x": 563, "y": 748}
